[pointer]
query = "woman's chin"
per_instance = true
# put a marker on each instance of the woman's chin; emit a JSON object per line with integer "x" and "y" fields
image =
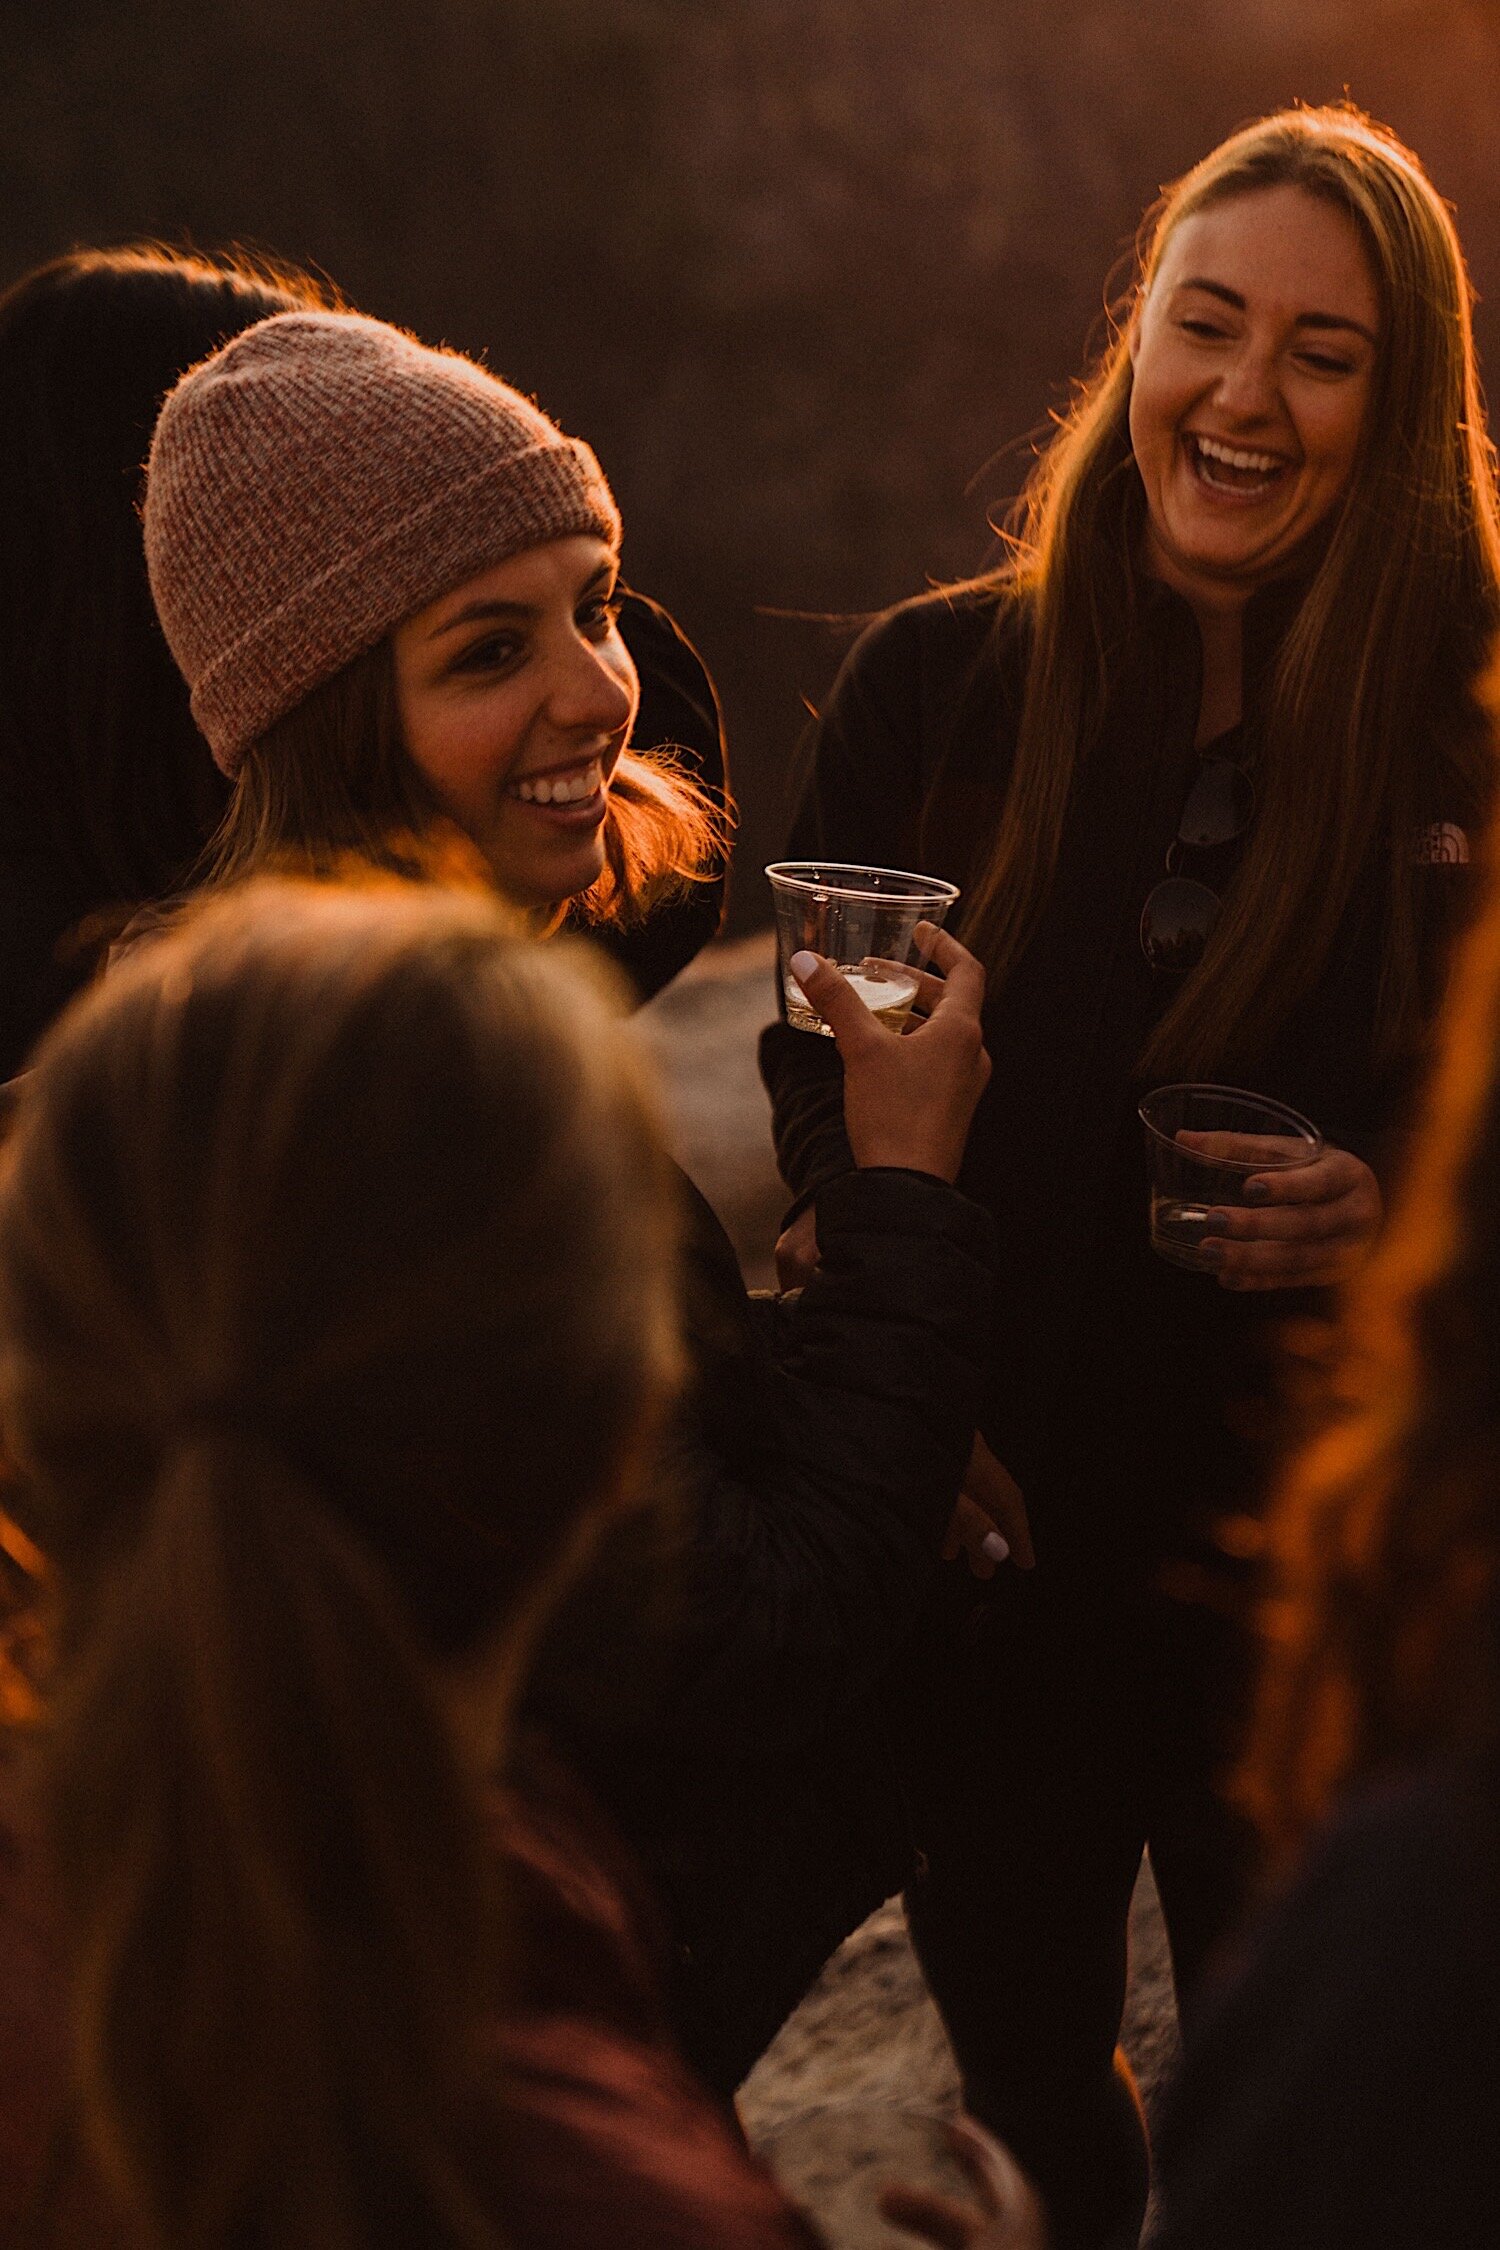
{"x": 1235, "y": 541}
{"x": 548, "y": 885}
{"x": 1242, "y": 556}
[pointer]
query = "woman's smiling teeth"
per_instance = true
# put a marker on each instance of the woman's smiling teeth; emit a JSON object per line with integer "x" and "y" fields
{"x": 573, "y": 787}
{"x": 1233, "y": 468}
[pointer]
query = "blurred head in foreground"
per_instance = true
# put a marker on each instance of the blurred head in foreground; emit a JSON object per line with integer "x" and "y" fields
{"x": 106, "y": 793}
{"x": 336, "y": 1296}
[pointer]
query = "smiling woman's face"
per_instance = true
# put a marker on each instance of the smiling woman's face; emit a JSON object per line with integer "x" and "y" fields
{"x": 516, "y": 696}
{"x": 1254, "y": 359}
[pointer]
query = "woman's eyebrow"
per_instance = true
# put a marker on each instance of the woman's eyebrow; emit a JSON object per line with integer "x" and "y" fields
{"x": 474, "y": 613}
{"x": 1215, "y": 289}
{"x": 1229, "y": 296}
{"x": 1336, "y": 320}
{"x": 486, "y": 612}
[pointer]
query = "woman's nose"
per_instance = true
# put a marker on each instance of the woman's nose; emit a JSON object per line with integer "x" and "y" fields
{"x": 593, "y": 686}
{"x": 1247, "y": 386}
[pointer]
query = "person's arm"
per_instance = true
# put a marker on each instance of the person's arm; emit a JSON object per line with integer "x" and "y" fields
{"x": 1315, "y": 1225}
{"x": 817, "y": 1498}
{"x": 679, "y": 712}
{"x": 1448, "y": 891}
{"x": 821, "y": 1499}
{"x": 804, "y": 1078}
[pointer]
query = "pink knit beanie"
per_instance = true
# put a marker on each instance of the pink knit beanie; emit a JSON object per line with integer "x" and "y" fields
{"x": 319, "y": 479}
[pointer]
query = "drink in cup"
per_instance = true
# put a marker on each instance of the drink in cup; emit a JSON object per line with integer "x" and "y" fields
{"x": 886, "y": 990}
{"x": 862, "y": 919}
{"x": 1231, "y": 1137}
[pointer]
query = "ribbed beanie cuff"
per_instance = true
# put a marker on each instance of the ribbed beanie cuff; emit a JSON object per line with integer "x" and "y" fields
{"x": 321, "y": 478}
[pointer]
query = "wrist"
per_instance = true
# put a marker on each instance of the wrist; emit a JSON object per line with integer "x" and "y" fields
{"x": 907, "y": 1172}
{"x": 876, "y": 1155}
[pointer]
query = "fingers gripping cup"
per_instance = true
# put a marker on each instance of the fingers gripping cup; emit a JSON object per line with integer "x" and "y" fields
{"x": 1205, "y": 1143}
{"x": 862, "y": 919}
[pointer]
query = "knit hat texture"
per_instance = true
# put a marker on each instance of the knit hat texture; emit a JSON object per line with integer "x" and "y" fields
{"x": 319, "y": 479}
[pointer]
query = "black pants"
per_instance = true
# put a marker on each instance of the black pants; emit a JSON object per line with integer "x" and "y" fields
{"x": 1075, "y": 1722}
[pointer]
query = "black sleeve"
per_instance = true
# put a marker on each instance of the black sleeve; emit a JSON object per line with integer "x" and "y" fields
{"x": 43, "y": 960}
{"x": 821, "y": 1458}
{"x": 862, "y": 803}
{"x": 679, "y": 712}
{"x": 804, "y": 1077}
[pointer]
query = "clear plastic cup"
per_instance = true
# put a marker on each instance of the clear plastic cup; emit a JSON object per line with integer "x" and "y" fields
{"x": 1245, "y": 1134}
{"x": 834, "y": 2162}
{"x": 862, "y": 919}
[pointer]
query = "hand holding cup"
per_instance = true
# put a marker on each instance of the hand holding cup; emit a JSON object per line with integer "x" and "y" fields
{"x": 909, "y": 1097}
{"x": 1217, "y": 1151}
{"x": 1304, "y": 1228}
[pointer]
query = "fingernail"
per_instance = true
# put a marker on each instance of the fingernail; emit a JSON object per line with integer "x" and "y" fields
{"x": 1217, "y": 1222}
{"x": 803, "y": 965}
{"x": 995, "y": 1546}
{"x": 1256, "y": 1191}
{"x": 1213, "y": 1258}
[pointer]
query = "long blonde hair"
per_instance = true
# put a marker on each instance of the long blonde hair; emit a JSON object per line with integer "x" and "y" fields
{"x": 1366, "y": 717}
{"x": 337, "y": 1294}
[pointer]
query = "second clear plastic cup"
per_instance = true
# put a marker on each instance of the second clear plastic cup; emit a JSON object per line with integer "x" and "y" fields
{"x": 1242, "y": 1134}
{"x": 862, "y": 919}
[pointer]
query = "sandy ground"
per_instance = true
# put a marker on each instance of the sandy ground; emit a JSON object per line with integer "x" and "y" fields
{"x": 702, "y": 1033}
{"x": 867, "y": 2031}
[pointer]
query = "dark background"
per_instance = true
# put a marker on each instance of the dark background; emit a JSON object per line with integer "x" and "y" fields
{"x": 805, "y": 272}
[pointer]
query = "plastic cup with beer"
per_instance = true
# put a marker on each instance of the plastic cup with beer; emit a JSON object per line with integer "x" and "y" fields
{"x": 1204, "y": 1144}
{"x": 862, "y": 919}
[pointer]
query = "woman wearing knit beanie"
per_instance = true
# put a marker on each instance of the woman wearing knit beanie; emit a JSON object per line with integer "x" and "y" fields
{"x": 390, "y": 583}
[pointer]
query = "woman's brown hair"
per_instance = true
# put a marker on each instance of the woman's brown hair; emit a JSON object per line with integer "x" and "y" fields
{"x": 1366, "y": 736}
{"x": 1384, "y": 1643}
{"x": 336, "y": 1299}
{"x": 102, "y": 771}
{"x": 333, "y": 780}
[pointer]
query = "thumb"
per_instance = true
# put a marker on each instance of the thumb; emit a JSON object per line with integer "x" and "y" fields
{"x": 991, "y": 1487}
{"x": 843, "y": 1011}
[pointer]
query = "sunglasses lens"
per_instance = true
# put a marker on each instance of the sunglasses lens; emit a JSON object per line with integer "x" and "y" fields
{"x": 1176, "y": 924}
{"x": 1220, "y": 806}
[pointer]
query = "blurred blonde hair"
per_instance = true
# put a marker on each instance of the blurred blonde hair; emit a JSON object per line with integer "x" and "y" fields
{"x": 337, "y": 1298}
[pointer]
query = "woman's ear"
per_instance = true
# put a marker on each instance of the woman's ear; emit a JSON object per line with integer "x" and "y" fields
{"x": 1133, "y": 328}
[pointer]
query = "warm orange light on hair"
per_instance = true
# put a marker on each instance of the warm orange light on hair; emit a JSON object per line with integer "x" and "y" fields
{"x": 1386, "y": 1531}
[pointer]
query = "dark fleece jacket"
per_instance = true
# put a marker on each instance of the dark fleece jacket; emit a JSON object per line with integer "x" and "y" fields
{"x": 1130, "y": 1399}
